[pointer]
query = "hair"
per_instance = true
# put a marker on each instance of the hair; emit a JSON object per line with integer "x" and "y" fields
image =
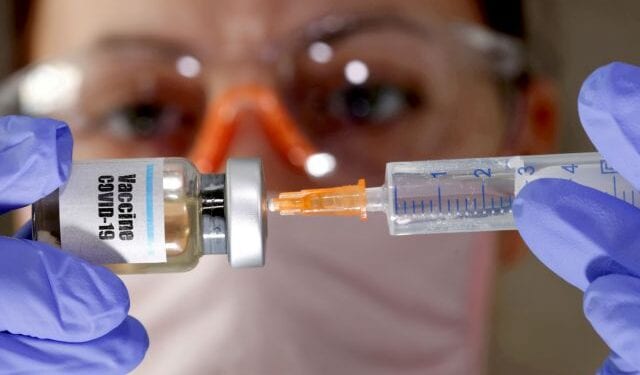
{"x": 21, "y": 10}
{"x": 505, "y": 16}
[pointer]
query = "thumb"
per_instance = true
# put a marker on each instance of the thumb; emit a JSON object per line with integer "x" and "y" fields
{"x": 35, "y": 159}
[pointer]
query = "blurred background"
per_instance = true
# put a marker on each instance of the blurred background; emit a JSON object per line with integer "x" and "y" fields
{"x": 538, "y": 326}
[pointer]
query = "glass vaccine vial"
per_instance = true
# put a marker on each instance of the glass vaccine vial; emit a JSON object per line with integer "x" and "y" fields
{"x": 156, "y": 215}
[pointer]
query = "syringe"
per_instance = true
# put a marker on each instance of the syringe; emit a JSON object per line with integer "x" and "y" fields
{"x": 456, "y": 195}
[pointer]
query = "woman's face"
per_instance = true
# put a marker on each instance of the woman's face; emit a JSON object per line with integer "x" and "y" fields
{"x": 367, "y": 97}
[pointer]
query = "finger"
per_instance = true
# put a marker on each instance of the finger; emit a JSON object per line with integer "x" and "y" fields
{"x": 35, "y": 159}
{"x": 47, "y": 293}
{"x": 578, "y": 232}
{"x": 612, "y": 305}
{"x": 609, "y": 108}
{"x": 615, "y": 365}
{"x": 117, "y": 352}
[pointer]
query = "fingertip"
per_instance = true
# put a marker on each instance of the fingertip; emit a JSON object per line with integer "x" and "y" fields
{"x": 610, "y": 294}
{"x": 35, "y": 154}
{"x": 615, "y": 365}
{"x": 64, "y": 141}
{"x": 612, "y": 306}
{"x": 609, "y": 108}
{"x": 132, "y": 341}
{"x": 535, "y": 198}
{"x": 138, "y": 336}
{"x": 614, "y": 80}
{"x": 542, "y": 229}
{"x": 58, "y": 135}
{"x": 572, "y": 228}
{"x": 594, "y": 297}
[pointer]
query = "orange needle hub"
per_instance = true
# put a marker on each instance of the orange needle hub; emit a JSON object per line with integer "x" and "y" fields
{"x": 350, "y": 200}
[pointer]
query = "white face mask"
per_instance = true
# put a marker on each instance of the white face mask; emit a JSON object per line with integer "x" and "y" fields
{"x": 336, "y": 296}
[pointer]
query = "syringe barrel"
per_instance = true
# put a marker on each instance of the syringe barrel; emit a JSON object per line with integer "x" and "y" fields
{"x": 467, "y": 195}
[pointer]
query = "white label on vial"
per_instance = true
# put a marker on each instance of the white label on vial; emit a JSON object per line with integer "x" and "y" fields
{"x": 112, "y": 211}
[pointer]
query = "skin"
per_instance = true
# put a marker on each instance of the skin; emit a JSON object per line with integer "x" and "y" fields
{"x": 79, "y": 24}
{"x": 210, "y": 29}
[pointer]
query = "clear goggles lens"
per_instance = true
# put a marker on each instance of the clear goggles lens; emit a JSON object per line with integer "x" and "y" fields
{"x": 340, "y": 102}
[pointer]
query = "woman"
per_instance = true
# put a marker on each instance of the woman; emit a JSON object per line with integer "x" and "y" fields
{"x": 365, "y": 84}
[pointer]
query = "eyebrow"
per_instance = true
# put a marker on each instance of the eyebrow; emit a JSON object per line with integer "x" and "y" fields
{"x": 163, "y": 46}
{"x": 347, "y": 23}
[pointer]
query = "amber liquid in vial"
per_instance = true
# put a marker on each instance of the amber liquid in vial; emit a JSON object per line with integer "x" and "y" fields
{"x": 182, "y": 216}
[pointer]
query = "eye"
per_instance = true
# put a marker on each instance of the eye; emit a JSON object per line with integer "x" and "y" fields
{"x": 373, "y": 104}
{"x": 365, "y": 81}
{"x": 158, "y": 112}
{"x": 329, "y": 103}
{"x": 148, "y": 119}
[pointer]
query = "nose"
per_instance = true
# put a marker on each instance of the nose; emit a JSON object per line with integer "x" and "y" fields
{"x": 235, "y": 106}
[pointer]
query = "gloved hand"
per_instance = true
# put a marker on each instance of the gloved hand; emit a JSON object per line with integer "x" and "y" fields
{"x": 58, "y": 313}
{"x": 589, "y": 238}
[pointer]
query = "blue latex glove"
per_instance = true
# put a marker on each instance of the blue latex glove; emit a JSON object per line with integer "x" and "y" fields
{"x": 58, "y": 314}
{"x": 589, "y": 238}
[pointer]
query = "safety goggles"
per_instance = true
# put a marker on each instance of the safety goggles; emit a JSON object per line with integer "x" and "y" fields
{"x": 340, "y": 98}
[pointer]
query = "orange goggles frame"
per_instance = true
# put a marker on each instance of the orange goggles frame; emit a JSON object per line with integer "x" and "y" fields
{"x": 222, "y": 118}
